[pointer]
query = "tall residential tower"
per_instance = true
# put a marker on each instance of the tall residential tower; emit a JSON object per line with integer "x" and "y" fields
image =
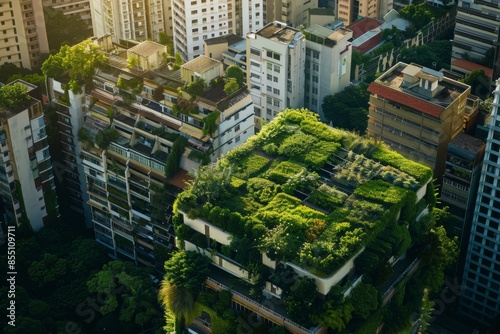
{"x": 481, "y": 280}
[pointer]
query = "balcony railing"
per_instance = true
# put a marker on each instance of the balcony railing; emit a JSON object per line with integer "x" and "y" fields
{"x": 262, "y": 310}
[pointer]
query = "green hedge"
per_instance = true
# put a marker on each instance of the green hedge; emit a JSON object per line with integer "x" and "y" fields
{"x": 250, "y": 166}
{"x": 286, "y": 169}
{"x": 321, "y": 130}
{"x": 383, "y": 155}
{"x": 328, "y": 198}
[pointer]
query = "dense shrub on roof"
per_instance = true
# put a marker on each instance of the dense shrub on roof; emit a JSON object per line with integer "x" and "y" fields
{"x": 396, "y": 160}
{"x": 284, "y": 193}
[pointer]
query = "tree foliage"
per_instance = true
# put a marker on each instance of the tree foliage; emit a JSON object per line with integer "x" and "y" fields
{"x": 14, "y": 97}
{"x": 231, "y": 86}
{"x": 421, "y": 14}
{"x": 105, "y": 137}
{"x": 211, "y": 183}
{"x": 300, "y": 299}
{"x": 48, "y": 269}
{"x": 435, "y": 55}
{"x": 234, "y": 71}
{"x": 364, "y": 299}
{"x": 127, "y": 289}
{"x": 349, "y": 108}
{"x": 479, "y": 82}
{"x": 64, "y": 29}
{"x": 81, "y": 60}
{"x": 175, "y": 156}
{"x": 186, "y": 269}
{"x": 196, "y": 87}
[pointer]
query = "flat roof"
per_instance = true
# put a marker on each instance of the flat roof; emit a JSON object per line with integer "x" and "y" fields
{"x": 229, "y": 39}
{"x": 147, "y": 48}
{"x": 467, "y": 142}
{"x": 278, "y": 32}
{"x": 201, "y": 64}
{"x": 471, "y": 66}
{"x": 391, "y": 85}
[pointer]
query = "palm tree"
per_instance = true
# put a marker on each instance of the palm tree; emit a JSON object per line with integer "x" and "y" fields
{"x": 178, "y": 300}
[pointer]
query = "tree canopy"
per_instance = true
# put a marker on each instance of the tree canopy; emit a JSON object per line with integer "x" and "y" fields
{"x": 434, "y": 55}
{"x": 81, "y": 60}
{"x": 187, "y": 269}
{"x": 234, "y": 71}
{"x": 64, "y": 29}
{"x": 479, "y": 82}
{"x": 421, "y": 14}
{"x": 14, "y": 97}
{"x": 349, "y": 108}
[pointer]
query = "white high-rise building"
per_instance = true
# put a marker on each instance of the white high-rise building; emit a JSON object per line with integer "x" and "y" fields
{"x": 481, "y": 280}
{"x": 328, "y": 64}
{"x": 275, "y": 69}
{"x": 194, "y": 21}
{"x": 128, "y": 19}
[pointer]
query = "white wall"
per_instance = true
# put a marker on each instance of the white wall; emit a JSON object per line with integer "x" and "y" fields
{"x": 19, "y": 142}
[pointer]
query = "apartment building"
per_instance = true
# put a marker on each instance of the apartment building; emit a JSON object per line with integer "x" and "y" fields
{"x": 481, "y": 280}
{"x": 476, "y": 29}
{"x": 198, "y": 20}
{"x": 72, "y": 7}
{"x": 70, "y": 110}
{"x": 276, "y": 57}
{"x": 294, "y": 13}
{"x": 137, "y": 20}
{"x": 133, "y": 119}
{"x": 24, "y": 37}
{"x": 27, "y": 183}
{"x": 417, "y": 111}
{"x": 328, "y": 64}
{"x": 460, "y": 183}
{"x": 351, "y": 10}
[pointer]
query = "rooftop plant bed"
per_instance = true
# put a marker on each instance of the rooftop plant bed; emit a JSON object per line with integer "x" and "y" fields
{"x": 250, "y": 193}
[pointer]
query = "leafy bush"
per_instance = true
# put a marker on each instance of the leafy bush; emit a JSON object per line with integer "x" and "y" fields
{"x": 251, "y": 166}
{"x": 271, "y": 149}
{"x": 285, "y": 170}
{"x": 262, "y": 190}
{"x": 383, "y": 155}
{"x": 237, "y": 183}
{"x": 210, "y": 122}
{"x": 297, "y": 144}
{"x": 327, "y": 197}
{"x": 318, "y": 155}
{"x": 321, "y": 130}
{"x": 294, "y": 116}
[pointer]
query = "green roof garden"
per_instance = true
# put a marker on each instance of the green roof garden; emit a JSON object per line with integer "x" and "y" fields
{"x": 306, "y": 194}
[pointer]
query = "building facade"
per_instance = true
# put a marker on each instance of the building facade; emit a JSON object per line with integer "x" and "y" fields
{"x": 275, "y": 69}
{"x": 137, "y": 20}
{"x": 328, "y": 64}
{"x": 72, "y": 7}
{"x": 476, "y": 28}
{"x": 196, "y": 21}
{"x": 351, "y": 10}
{"x": 481, "y": 279}
{"x": 294, "y": 13}
{"x": 24, "y": 37}
{"x": 417, "y": 111}
{"x": 70, "y": 110}
{"x": 26, "y": 177}
{"x": 122, "y": 135}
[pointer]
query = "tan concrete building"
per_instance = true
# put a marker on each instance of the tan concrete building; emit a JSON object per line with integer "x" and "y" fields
{"x": 23, "y": 34}
{"x": 351, "y": 10}
{"x": 72, "y": 7}
{"x": 292, "y": 12}
{"x": 417, "y": 112}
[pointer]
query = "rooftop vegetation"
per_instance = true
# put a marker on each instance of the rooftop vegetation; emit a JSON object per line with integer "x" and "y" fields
{"x": 286, "y": 192}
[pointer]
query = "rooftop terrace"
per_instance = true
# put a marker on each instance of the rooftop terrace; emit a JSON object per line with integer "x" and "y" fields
{"x": 278, "y": 32}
